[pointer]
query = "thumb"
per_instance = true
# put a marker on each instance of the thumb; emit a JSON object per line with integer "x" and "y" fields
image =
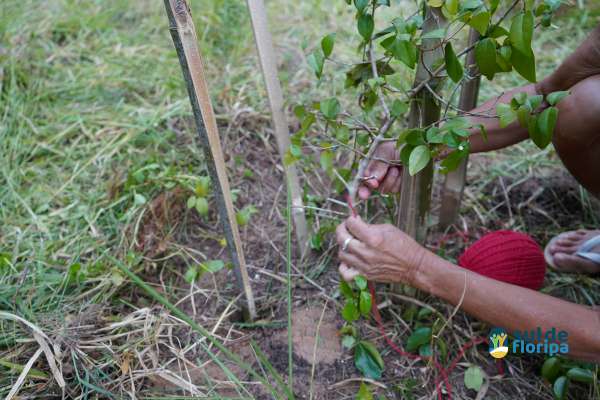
{"x": 358, "y": 228}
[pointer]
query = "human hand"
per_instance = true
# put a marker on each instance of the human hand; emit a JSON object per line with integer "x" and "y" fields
{"x": 381, "y": 253}
{"x": 385, "y": 177}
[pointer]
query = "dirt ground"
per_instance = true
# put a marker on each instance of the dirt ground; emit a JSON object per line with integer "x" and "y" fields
{"x": 322, "y": 368}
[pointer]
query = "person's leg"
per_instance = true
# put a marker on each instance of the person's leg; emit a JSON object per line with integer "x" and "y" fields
{"x": 577, "y": 142}
{"x": 577, "y": 134}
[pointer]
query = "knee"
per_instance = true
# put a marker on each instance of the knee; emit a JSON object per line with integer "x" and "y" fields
{"x": 579, "y": 113}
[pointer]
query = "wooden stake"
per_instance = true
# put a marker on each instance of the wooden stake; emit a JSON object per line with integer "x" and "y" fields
{"x": 415, "y": 193}
{"x": 454, "y": 182}
{"x": 183, "y": 33}
{"x": 268, "y": 62}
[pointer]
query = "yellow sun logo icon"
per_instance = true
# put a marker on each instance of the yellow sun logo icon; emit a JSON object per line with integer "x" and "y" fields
{"x": 498, "y": 343}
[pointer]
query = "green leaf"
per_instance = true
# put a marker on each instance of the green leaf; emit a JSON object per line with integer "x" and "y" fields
{"x": 470, "y": 4}
{"x": 365, "y": 302}
{"x": 506, "y": 114}
{"x": 425, "y": 350}
{"x": 524, "y": 64}
{"x": 398, "y": 108}
{"x": 535, "y": 101}
{"x": 522, "y": 57}
{"x": 295, "y": 150}
{"x": 419, "y": 158}
{"x": 485, "y": 57}
{"x": 439, "y": 33}
{"x": 435, "y": 3}
{"x": 212, "y": 265}
{"x": 326, "y": 161}
{"x": 451, "y": 6}
{"x": 330, "y": 108}
{"x": 365, "y": 363}
{"x": 560, "y": 387}
{"x": 498, "y": 31}
{"x": 523, "y": 115}
{"x": 474, "y": 377}
{"x": 243, "y": 216}
{"x": 365, "y": 26}
{"x": 555, "y": 97}
{"x": 453, "y": 160}
{"x": 348, "y": 341}
{"x": 203, "y": 186}
{"x": 350, "y": 312}
{"x": 419, "y": 337}
{"x": 361, "y": 282}
{"x": 190, "y": 274}
{"x": 289, "y": 158}
{"x": 546, "y": 122}
{"x": 405, "y": 153}
{"x": 315, "y": 60}
{"x": 453, "y": 65}
{"x": 373, "y": 352}
{"x": 402, "y": 50}
{"x": 342, "y": 134}
{"x": 361, "y": 4}
{"x": 521, "y": 32}
{"x": 346, "y": 290}
{"x": 580, "y": 375}
{"x": 551, "y": 369}
{"x": 201, "y": 206}
{"x": 503, "y": 58}
{"x": 435, "y": 135}
{"x": 456, "y": 122}
{"x": 480, "y": 21}
{"x": 363, "y": 392}
{"x": 327, "y": 44}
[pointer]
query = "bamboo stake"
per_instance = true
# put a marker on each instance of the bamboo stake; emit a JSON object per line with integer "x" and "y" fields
{"x": 454, "y": 182}
{"x": 183, "y": 33}
{"x": 266, "y": 54}
{"x": 415, "y": 193}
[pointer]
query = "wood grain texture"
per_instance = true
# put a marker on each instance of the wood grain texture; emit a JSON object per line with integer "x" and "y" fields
{"x": 184, "y": 37}
{"x": 268, "y": 62}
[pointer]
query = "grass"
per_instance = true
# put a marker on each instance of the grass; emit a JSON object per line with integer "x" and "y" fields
{"x": 94, "y": 125}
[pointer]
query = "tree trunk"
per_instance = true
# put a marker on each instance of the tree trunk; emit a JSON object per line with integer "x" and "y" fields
{"x": 454, "y": 183}
{"x": 415, "y": 194}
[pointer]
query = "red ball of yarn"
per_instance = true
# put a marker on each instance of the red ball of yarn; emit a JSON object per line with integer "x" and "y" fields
{"x": 507, "y": 256}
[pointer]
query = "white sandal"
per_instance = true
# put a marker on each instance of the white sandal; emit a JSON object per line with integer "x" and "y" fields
{"x": 584, "y": 251}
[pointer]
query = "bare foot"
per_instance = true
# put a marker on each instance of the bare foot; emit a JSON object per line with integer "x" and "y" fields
{"x": 562, "y": 251}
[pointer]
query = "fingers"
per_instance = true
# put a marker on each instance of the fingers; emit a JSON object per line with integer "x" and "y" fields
{"x": 359, "y": 229}
{"x": 348, "y": 274}
{"x": 353, "y": 262}
{"x": 364, "y": 192}
{"x": 389, "y": 181}
{"x": 353, "y": 246}
{"x": 378, "y": 169}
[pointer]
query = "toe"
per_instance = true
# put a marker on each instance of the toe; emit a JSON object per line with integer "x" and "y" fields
{"x": 573, "y": 263}
{"x": 567, "y": 249}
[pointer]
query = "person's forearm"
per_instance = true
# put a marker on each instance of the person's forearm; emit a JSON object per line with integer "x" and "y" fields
{"x": 511, "y": 307}
{"x": 497, "y": 137}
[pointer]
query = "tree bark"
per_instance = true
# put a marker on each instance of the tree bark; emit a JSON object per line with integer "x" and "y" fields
{"x": 454, "y": 182}
{"x": 415, "y": 194}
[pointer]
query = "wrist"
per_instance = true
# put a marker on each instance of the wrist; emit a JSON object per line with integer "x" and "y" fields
{"x": 429, "y": 273}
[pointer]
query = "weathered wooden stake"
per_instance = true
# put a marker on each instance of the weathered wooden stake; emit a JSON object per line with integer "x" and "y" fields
{"x": 268, "y": 62}
{"x": 183, "y": 33}
{"x": 415, "y": 193}
{"x": 454, "y": 183}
